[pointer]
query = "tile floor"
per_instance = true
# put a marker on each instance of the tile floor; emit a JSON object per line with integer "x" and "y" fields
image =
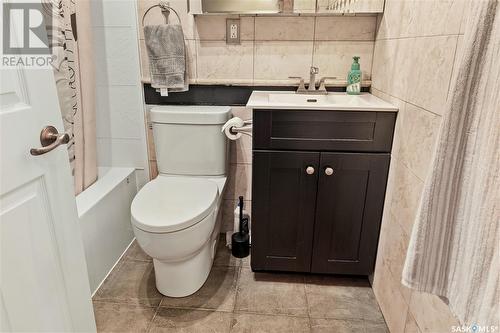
{"x": 235, "y": 299}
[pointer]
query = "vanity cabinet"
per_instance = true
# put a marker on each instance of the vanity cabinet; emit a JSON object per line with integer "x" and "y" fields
{"x": 319, "y": 180}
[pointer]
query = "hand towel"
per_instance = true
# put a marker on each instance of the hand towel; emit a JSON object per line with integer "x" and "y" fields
{"x": 167, "y": 57}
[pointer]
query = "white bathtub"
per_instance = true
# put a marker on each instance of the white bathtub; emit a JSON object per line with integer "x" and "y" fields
{"x": 104, "y": 212}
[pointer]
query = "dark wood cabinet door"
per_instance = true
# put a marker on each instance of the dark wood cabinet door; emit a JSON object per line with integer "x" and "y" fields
{"x": 283, "y": 210}
{"x": 348, "y": 212}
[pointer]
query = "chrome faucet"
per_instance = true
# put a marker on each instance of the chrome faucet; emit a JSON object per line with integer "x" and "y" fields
{"x": 311, "y": 89}
{"x": 312, "y": 78}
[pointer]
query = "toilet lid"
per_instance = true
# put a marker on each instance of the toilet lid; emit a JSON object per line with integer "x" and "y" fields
{"x": 168, "y": 204}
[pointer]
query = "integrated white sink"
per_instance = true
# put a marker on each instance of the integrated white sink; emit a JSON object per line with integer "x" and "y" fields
{"x": 332, "y": 101}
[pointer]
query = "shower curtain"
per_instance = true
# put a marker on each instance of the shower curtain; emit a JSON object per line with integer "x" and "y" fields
{"x": 455, "y": 244}
{"x": 74, "y": 75}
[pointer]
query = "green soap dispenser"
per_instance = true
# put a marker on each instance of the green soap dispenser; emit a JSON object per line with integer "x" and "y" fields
{"x": 354, "y": 78}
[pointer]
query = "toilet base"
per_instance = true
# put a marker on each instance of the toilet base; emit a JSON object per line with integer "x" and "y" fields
{"x": 185, "y": 277}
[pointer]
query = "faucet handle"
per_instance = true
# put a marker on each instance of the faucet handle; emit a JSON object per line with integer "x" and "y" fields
{"x": 322, "y": 86}
{"x": 302, "y": 86}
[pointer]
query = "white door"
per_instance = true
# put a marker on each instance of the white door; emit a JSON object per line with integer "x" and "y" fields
{"x": 43, "y": 279}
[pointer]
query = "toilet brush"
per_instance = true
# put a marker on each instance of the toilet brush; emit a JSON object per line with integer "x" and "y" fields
{"x": 240, "y": 241}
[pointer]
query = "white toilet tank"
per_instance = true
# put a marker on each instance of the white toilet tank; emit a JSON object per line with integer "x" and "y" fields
{"x": 188, "y": 139}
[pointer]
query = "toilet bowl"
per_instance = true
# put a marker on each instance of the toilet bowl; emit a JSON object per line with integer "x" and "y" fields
{"x": 175, "y": 216}
{"x": 175, "y": 222}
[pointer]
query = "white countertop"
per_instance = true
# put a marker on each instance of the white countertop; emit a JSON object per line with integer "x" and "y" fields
{"x": 333, "y": 101}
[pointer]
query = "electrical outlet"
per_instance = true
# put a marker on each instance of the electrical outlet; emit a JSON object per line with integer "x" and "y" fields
{"x": 232, "y": 31}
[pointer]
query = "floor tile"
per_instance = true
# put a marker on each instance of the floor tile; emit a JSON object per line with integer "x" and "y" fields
{"x": 271, "y": 293}
{"x": 371, "y": 327}
{"x": 268, "y": 323}
{"x": 115, "y": 317}
{"x": 218, "y": 292}
{"x": 346, "y": 326}
{"x": 135, "y": 252}
{"x": 335, "y": 325}
{"x": 193, "y": 321}
{"x": 245, "y": 262}
{"x": 341, "y": 298}
{"x": 132, "y": 282}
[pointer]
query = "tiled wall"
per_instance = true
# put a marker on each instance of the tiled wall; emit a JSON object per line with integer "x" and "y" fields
{"x": 416, "y": 53}
{"x": 121, "y": 139}
{"x": 271, "y": 50}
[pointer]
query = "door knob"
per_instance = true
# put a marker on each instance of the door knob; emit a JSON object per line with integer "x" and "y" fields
{"x": 50, "y": 139}
{"x": 310, "y": 170}
{"x": 328, "y": 171}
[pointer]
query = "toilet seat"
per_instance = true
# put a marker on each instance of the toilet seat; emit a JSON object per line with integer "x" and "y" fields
{"x": 168, "y": 203}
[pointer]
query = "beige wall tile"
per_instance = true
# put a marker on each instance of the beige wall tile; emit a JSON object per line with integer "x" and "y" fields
{"x": 419, "y": 131}
{"x": 153, "y": 169}
{"x": 396, "y": 243}
{"x": 213, "y": 27}
{"x": 456, "y": 62}
{"x": 279, "y": 60}
{"x": 393, "y": 245}
{"x": 284, "y": 28}
{"x": 151, "y": 144}
{"x": 335, "y": 58}
{"x": 391, "y": 67}
{"x": 239, "y": 182}
{"x": 144, "y": 60}
{"x": 155, "y": 16}
{"x": 396, "y": 20}
{"x": 241, "y": 112}
{"x": 439, "y": 17}
{"x": 345, "y": 28}
{"x": 241, "y": 150}
{"x": 430, "y": 71}
{"x": 406, "y": 196}
{"x": 398, "y": 132}
{"x": 431, "y": 313}
{"x": 216, "y": 60}
{"x": 191, "y": 54}
{"x": 391, "y": 302}
{"x": 416, "y": 18}
{"x": 465, "y": 16}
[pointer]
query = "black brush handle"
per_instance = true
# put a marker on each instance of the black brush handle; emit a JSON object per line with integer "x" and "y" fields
{"x": 241, "y": 213}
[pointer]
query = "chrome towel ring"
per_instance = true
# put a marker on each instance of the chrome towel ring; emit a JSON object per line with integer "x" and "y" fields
{"x": 165, "y": 9}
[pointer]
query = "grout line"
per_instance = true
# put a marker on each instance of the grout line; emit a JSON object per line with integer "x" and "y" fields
{"x": 240, "y": 312}
{"x": 404, "y": 101}
{"x": 313, "y": 42}
{"x": 307, "y": 305}
{"x": 150, "y": 324}
{"x": 453, "y": 69}
{"x": 414, "y": 37}
{"x": 122, "y": 302}
{"x": 186, "y": 307}
{"x": 254, "y": 50}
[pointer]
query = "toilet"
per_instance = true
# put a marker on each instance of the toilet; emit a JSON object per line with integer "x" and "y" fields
{"x": 175, "y": 216}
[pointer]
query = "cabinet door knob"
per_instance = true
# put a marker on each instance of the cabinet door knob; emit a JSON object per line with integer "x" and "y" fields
{"x": 310, "y": 170}
{"x": 328, "y": 171}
